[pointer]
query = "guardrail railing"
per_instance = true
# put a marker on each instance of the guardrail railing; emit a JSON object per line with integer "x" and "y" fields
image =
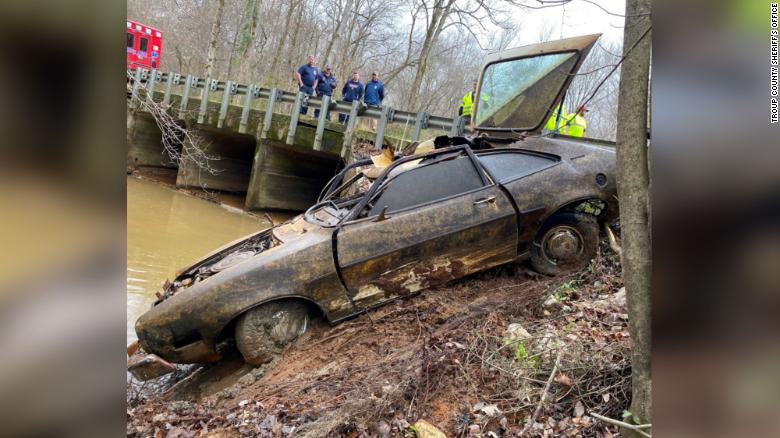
{"x": 385, "y": 115}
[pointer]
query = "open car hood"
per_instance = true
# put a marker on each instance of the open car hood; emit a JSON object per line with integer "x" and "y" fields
{"x": 519, "y": 87}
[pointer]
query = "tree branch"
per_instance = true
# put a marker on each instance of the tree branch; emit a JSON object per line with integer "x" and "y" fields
{"x": 635, "y": 427}
{"x": 532, "y": 420}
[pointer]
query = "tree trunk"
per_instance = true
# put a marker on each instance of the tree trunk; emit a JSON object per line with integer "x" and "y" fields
{"x": 214, "y": 40}
{"x": 435, "y": 25}
{"x": 345, "y": 14}
{"x": 292, "y": 59}
{"x": 246, "y": 36}
{"x": 633, "y": 190}
{"x": 272, "y": 79}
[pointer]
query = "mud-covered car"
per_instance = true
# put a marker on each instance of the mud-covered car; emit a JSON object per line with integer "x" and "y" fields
{"x": 469, "y": 204}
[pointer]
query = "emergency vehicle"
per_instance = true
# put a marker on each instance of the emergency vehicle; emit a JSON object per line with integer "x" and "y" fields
{"x": 144, "y": 46}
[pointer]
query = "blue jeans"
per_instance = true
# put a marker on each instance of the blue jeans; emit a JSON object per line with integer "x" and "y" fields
{"x": 317, "y": 111}
{"x": 305, "y": 89}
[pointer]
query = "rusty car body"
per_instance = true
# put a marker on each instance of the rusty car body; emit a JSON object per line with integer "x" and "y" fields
{"x": 469, "y": 204}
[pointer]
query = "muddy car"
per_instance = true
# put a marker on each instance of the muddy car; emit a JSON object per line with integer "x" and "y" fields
{"x": 469, "y": 204}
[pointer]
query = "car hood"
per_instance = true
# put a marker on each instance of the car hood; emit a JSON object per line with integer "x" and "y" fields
{"x": 235, "y": 253}
{"x": 519, "y": 87}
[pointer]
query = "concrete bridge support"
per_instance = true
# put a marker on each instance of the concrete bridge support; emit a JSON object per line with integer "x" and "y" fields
{"x": 222, "y": 160}
{"x": 288, "y": 177}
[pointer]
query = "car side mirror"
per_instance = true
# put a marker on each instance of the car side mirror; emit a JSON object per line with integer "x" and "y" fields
{"x": 382, "y": 216}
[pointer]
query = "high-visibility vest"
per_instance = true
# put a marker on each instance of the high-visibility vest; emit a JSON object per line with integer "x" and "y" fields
{"x": 467, "y": 104}
{"x": 577, "y": 125}
{"x": 562, "y": 128}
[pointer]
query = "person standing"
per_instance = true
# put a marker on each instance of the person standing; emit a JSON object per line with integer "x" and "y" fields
{"x": 325, "y": 86}
{"x": 307, "y": 76}
{"x": 466, "y": 108}
{"x": 375, "y": 94}
{"x": 375, "y": 91}
{"x": 557, "y": 122}
{"x": 576, "y": 122}
{"x": 352, "y": 91}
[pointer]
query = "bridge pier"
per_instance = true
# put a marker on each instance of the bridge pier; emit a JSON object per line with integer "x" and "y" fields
{"x": 288, "y": 177}
{"x": 222, "y": 160}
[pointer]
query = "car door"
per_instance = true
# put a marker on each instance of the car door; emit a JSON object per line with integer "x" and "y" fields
{"x": 442, "y": 221}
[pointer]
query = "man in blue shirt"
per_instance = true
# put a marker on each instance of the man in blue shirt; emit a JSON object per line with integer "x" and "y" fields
{"x": 326, "y": 83}
{"x": 375, "y": 91}
{"x": 352, "y": 90}
{"x": 307, "y": 76}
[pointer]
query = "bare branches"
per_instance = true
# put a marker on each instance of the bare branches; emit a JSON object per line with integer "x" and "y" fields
{"x": 179, "y": 143}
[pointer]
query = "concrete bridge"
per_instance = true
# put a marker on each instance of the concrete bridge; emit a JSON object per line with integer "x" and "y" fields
{"x": 281, "y": 160}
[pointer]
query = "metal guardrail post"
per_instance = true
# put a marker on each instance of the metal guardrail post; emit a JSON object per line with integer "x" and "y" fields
{"x": 250, "y": 93}
{"x": 230, "y": 89}
{"x": 136, "y": 85}
{"x": 269, "y": 113}
{"x": 454, "y": 128}
{"x": 168, "y": 89}
{"x": 150, "y": 86}
{"x": 420, "y": 123}
{"x": 211, "y": 84}
{"x": 294, "y": 118}
{"x": 185, "y": 97}
{"x": 321, "y": 123}
{"x": 384, "y": 119}
{"x": 350, "y": 129}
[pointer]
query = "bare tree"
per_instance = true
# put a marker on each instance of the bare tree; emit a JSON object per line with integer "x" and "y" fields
{"x": 633, "y": 190}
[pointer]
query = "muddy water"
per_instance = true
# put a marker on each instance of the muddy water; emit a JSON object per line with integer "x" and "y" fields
{"x": 167, "y": 230}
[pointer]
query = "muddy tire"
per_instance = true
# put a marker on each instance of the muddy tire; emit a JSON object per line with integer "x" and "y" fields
{"x": 567, "y": 242}
{"x": 263, "y": 332}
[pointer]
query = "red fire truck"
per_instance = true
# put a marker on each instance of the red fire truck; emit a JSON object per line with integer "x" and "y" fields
{"x": 144, "y": 46}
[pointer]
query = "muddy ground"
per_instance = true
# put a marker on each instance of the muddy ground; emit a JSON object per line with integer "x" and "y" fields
{"x": 501, "y": 353}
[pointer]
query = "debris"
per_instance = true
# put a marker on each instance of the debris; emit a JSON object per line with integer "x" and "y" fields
{"x": 563, "y": 379}
{"x": 383, "y": 429}
{"x": 579, "y": 409}
{"x": 247, "y": 379}
{"x": 489, "y": 410}
{"x": 424, "y": 429}
{"x": 149, "y": 367}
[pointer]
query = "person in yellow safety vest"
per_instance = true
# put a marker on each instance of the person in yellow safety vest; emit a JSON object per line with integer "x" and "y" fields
{"x": 562, "y": 127}
{"x": 576, "y": 122}
{"x": 467, "y": 103}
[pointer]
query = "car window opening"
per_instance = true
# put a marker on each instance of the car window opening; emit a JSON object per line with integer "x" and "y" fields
{"x": 450, "y": 176}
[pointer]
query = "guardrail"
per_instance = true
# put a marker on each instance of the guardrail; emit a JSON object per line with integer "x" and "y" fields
{"x": 385, "y": 114}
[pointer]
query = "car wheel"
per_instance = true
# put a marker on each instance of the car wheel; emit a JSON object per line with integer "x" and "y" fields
{"x": 263, "y": 332}
{"x": 566, "y": 242}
